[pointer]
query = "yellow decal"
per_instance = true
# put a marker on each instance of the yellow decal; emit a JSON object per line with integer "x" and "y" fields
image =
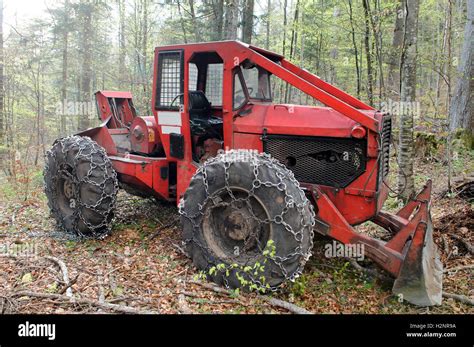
{"x": 151, "y": 135}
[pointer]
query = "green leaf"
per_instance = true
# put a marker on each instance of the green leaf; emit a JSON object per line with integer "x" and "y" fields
{"x": 52, "y": 288}
{"x": 27, "y": 278}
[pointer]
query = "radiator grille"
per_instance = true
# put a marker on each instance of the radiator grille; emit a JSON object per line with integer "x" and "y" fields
{"x": 327, "y": 161}
{"x": 386, "y": 135}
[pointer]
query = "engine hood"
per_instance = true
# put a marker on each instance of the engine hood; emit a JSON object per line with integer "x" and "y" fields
{"x": 295, "y": 120}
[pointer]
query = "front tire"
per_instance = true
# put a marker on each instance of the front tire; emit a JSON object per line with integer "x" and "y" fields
{"x": 235, "y": 204}
{"x": 81, "y": 186}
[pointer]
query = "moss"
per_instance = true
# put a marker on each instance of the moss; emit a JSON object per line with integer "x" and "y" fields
{"x": 427, "y": 144}
{"x": 467, "y": 138}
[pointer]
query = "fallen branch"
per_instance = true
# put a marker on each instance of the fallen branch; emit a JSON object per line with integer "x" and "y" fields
{"x": 65, "y": 272}
{"x": 459, "y": 268}
{"x": 466, "y": 244}
{"x": 462, "y": 298}
{"x": 445, "y": 244}
{"x": 368, "y": 272}
{"x": 180, "y": 249}
{"x": 160, "y": 229}
{"x": 214, "y": 302}
{"x": 272, "y": 301}
{"x": 100, "y": 280}
{"x": 466, "y": 188}
{"x": 127, "y": 298}
{"x": 85, "y": 301}
{"x": 183, "y": 305}
{"x": 209, "y": 286}
{"x": 179, "y": 273}
{"x": 191, "y": 294}
{"x": 71, "y": 283}
{"x": 6, "y": 304}
{"x": 286, "y": 305}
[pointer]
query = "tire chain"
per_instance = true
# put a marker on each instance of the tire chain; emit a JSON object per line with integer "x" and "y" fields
{"x": 257, "y": 159}
{"x": 86, "y": 151}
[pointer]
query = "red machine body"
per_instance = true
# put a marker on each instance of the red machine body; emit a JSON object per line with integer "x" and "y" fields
{"x": 217, "y": 94}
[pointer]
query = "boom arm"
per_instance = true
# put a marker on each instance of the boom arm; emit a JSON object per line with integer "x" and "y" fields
{"x": 288, "y": 72}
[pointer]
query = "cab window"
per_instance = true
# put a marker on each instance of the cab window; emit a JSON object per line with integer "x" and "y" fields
{"x": 239, "y": 95}
{"x": 257, "y": 81}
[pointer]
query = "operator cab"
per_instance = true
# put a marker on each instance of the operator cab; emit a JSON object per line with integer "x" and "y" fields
{"x": 250, "y": 84}
{"x": 205, "y": 71}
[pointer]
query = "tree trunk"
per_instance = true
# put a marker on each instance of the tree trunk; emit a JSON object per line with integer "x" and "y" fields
{"x": 2, "y": 91}
{"x": 283, "y": 84}
{"x": 377, "y": 43}
{"x": 408, "y": 96}
{"x": 393, "y": 82}
{"x": 293, "y": 42}
{"x": 122, "y": 49}
{"x": 247, "y": 21}
{"x": 145, "y": 77}
{"x": 443, "y": 53}
{"x": 267, "y": 25}
{"x": 86, "y": 9}
{"x": 356, "y": 54}
{"x": 231, "y": 19}
{"x": 181, "y": 20}
{"x": 368, "y": 53}
{"x": 461, "y": 112}
{"x": 65, "y": 29}
{"x": 197, "y": 34}
{"x": 448, "y": 74}
{"x": 218, "y": 8}
{"x": 285, "y": 21}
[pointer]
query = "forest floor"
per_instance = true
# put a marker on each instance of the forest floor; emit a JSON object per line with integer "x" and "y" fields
{"x": 140, "y": 266}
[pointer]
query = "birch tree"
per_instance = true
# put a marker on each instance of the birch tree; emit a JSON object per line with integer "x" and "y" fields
{"x": 461, "y": 111}
{"x": 407, "y": 96}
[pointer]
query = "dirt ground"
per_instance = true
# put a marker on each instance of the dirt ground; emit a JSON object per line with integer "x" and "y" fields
{"x": 140, "y": 266}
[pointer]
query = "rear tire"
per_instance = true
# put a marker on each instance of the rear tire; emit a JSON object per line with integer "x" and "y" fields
{"x": 237, "y": 202}
{"x": 81, "y": 186}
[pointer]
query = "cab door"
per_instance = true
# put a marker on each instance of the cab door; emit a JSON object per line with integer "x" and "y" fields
{"x": 169, "y": 102}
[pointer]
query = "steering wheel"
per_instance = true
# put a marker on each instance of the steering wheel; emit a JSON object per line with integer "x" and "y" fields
{"x": 175, "y": 98}
{"x": 239, "y": 97}
{"x": 240, "y": 91}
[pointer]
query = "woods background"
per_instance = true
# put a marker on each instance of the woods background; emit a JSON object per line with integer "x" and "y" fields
{"x": 55, "y": 59}
{"x": 412, "y": 58}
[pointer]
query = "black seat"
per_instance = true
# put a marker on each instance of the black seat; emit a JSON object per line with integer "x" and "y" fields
{"x": 199, "y": 106}
{"x": 203, "y": 123}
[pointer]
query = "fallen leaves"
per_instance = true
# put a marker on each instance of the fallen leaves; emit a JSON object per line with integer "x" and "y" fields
{"x": 147, "y": 270}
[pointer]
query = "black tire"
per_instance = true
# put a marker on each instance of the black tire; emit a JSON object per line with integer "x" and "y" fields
{"x": 243, "y": 199}
{"x": 81, "y": 186}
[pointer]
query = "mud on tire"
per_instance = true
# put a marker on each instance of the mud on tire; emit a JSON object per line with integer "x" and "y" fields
{"x": 237, "y": 202}
{"x": 81, "y": 186}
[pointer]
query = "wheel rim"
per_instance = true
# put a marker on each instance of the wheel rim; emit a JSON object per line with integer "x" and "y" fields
{"x": 234, "y": 225}
{"x": 66, "y": 191}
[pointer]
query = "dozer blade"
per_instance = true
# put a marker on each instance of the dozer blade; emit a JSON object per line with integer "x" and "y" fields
{"x": 410, "y": 256}
{"x": 420, "y": 279}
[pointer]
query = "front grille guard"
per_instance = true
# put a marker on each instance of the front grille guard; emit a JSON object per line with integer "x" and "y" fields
{"x": 333, "y": 162}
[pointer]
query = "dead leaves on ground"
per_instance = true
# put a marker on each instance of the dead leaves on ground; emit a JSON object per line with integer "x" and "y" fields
{"x": 131, "y": 268}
